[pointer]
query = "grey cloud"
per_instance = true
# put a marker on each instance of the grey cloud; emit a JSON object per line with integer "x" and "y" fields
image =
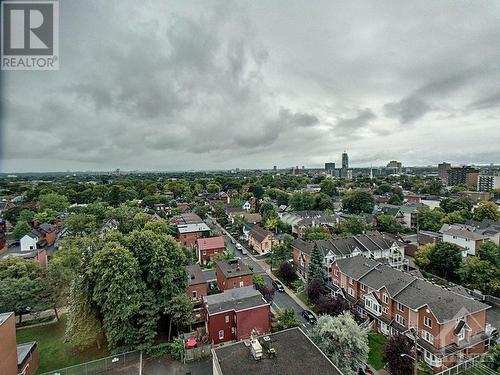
{"x": 488, "y": 102}
{"x": 407, "y": 110}
{"x": 351, "y": 125}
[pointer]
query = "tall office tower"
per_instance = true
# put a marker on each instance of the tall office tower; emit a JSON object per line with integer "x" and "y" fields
{"x": 443, "y": 169}
{"x": 345, "y": 160}
{"x": 329, "y": 168}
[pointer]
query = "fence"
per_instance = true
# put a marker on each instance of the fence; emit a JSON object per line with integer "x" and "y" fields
{"x": 128, "y": 363}
{"x": 472, "y": 363}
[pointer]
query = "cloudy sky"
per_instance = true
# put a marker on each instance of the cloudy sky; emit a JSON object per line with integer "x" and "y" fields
{"x": 162, "y": 85}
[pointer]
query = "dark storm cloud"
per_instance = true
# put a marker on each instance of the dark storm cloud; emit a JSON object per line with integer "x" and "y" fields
{"x": 181, "y": 85}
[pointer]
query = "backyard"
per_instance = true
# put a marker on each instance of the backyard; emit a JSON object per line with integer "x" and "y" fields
{"x": 53, "y": 351}
{"x": 376, "y": 342}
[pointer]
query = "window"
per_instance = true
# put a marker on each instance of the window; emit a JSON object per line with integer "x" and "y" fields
{"x": 351, "y": 281}
{"x": 194, "y": 293}
{"x": 384, "y": 328}
{"x": 363, "y": 287}
{"x": 242, "y": 284}
{"x": 431, "y": 359}
{"x": 351, "y": 292}
{"x": 227, "y": 318}
{"x": 221, "y": 334}
{"x": 427, "y": 336}
{"x": 427, "y": 322}
{"x": 371, "y": 305}
{"x": 401, "y": 307}
{"x": 461, "y": 334}
{"x": 336, "y": 272}
{"x": 385, "y": 298}
{"x": 400, "y": 320}
{"x": 385, "y": 310}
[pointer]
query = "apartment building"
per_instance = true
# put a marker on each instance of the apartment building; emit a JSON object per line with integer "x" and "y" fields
{"x": 468, "y": 237}
{"x": 449, "y": 327}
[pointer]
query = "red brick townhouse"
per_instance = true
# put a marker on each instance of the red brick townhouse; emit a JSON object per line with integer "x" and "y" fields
{"x": 373, "y": 244}
{"x": 232, "y": 274}
{"x": 197, "y": 285}
{"x": 208, "y": 249}
{"x": 450, "y": 327}
{"x": 236, "y": 314}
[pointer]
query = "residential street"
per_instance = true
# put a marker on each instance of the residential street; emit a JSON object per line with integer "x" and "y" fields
{"x": 281, "y": 300}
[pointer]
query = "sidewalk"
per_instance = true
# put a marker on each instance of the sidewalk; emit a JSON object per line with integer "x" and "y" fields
{"x": 267, "y": 268}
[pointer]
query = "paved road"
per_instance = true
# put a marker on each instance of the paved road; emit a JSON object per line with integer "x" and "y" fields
{"x": 281, "y": 300}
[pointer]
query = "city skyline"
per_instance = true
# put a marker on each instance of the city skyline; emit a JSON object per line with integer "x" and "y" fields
{"x": 209, "y": 86}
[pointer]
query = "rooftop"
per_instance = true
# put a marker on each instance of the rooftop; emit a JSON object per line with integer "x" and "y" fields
{"x": 233, "y": 268}
{"x": 210, "y": 243}
{"x": 234, "y": 299}
{"x": 295, "y": 354}
{"x": 195, "y": 275}
{"x": 4, "y": 317}
{"x": 190, "y": 228}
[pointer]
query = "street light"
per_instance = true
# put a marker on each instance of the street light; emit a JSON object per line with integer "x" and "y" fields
{"x": 415, "y": 367}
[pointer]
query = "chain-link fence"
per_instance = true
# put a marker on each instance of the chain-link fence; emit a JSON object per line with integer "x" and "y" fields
{"x": 125, "y": 363}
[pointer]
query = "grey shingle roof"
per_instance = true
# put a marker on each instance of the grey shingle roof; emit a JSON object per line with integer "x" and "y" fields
{"x": 356, "y": 267}
{"x": 295, "y": 355}
{"x": 195, "y": 275}
{"x": 394, "y": 280}
{"x": 258, "y": 233}
{"x": 233, "y": 268}
{"x": 234, "y": 299}
{"x": 444, "y": 304}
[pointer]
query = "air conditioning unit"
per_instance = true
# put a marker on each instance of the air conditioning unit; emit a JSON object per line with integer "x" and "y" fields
{"x": 256, "y": 349}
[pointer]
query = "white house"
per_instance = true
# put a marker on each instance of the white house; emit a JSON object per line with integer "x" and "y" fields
{"x": 246, "y": 206}
{"x": 28, "y": 241}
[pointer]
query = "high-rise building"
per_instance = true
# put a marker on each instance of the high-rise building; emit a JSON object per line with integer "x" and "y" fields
{"x": 443, "y": 169}
{"x": 488, "y": 182}
{"x": 458, "y": 175}
{"x": 275, "y": 168}
{"x": 345, "y": 160}
{"x": 394, "y": 164}
{"x": 329, "y": 167}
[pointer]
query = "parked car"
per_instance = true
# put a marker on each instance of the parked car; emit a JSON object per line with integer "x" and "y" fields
{"x": 239, "y": 247}
{"x": 278, "y": 286}
{"x": 309, "y": 316}
{"x": 233, "y": 241}
{"x": 365, "y": 371}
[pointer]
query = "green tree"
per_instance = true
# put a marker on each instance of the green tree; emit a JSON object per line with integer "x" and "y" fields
{"x": 81, "y": 224}
{"x": 358, "y": 201}
{"x": 356, "y": 225}
{"x": 180, "y": 311}
{"x": 386, "y": 223}
{"x": 486, "y": 210}
{"x": 53, "y": 201}
{"x": 489, "y": 251}
{"x": 117, "y": 292}
{"x": 328, "y": 187}
{"x": 26, "y": 215}
{"x": 300, "y": 201}
{"x": 258, "y": 280}
{"x": 83, "y": 328}
{"x": 450, "y": 205}
{"x": 316, "y": 233}
{"x": 20, "y": 230}
{"x": 286, "y": 319}
{"x": 477, "y": 273}
{"x": 316, "y": 270}
{"x": 343, "y": 341}
{"x": 455, "y": 217}
{"x": 423, "y": 254}
{"x": 446, "y": 260}
{"x": 323, "y": 202}
{"x": 430, "y": 219}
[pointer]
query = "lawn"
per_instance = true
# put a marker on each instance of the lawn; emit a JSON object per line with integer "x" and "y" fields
{"x": 303, "y": 297}
{"x": 376, "y": 342}
{"x": 54, "y": 352}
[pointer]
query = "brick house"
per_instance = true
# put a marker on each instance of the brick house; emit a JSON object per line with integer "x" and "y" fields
{"x": 450, "y": 326}
{"x": 235, "y": 314}
{"x": 232, "y": 274}
{"x": 373, "y": 244}
{"x": 261, "y": 240}
{"x": 209, "y": 248}
{"x": 188, "y": 234}
{"x": 197, "y": 285}
{"x": 15, "y": 359}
